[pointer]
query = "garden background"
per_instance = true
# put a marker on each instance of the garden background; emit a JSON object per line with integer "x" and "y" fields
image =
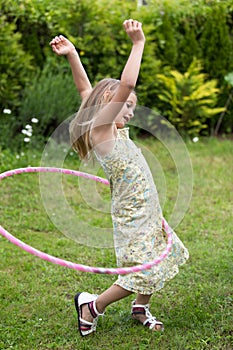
{"x": 187, "y": 77}
{"x": 187, "y": 69}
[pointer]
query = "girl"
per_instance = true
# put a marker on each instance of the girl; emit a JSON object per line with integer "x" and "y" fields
{"x": 98, "y": 128}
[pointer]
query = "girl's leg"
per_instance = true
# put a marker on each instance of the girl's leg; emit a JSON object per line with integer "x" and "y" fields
{"x": 142, "y": 299}
{"x": 112, "y": 294}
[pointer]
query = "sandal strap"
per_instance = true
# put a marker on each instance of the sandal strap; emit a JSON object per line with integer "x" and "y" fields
{"x": 151, "y": 322}
{"x": 87, "y": 327}
{"x": 93, "y": 310}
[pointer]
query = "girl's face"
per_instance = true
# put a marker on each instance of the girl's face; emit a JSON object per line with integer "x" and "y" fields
{"x": 127, "y": 111}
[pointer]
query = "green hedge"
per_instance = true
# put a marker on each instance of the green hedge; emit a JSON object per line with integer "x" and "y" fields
{"x": 176, "y": 31}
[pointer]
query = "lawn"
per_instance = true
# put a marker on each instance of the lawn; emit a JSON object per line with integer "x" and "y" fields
{"x": 37, "y": 309}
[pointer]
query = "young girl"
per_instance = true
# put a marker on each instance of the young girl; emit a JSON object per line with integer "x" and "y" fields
{"x": 98, "y": 128}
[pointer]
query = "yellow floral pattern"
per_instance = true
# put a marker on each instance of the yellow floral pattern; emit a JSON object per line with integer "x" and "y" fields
{"x": 137, "y": 219}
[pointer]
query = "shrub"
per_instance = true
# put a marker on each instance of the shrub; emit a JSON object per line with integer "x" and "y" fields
{"x": 15, "y": 65}
{"x": 51, "y": 98}
{"x": 188, "y": 99}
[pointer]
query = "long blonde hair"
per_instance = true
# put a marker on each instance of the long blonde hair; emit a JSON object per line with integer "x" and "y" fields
{"x": 80, "y": 126}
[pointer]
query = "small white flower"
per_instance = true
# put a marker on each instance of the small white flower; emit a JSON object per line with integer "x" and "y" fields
{"x": 196, "y": 139}
{"x": 22, "y": 154}
{"x": 27, "y": 132}
{"x": 6, "y": 111}
{"x": 34, "y": 120}
{"x": 17, "y": 157}
{"x": 27, "y": 139}
{"x": 64, "y": 150}
{"x": 40, "y": 319}
{"x": 29, "y": 127}
{"x": 71, "y": 153}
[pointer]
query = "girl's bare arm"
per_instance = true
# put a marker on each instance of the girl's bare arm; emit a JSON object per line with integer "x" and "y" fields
{"x": 128, "y": 77}
{"x": 62, "y": 46}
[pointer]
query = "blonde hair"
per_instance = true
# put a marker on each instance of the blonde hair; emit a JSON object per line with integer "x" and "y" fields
{"x": 80, "y": 126}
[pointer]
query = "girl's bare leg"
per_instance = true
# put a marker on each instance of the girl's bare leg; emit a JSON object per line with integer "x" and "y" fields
{"x": 112, "y": 294}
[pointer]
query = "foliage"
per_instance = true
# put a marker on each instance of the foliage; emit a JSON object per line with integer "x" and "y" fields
{"x": 227, "y": 122}
{"x": 15, "y": 65}
{"x": 51, "y": 98}
{"x": 176, "y": 31}
{"x": 189, "y": 99}
{"x": 216, "y": 43}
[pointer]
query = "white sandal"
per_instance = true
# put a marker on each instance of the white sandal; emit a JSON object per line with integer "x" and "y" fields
{"x": 86, "y": 327}
{"x": 151, "y": 322}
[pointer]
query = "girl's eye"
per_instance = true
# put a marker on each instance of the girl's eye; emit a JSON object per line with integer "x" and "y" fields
{"x": 128, "y": 105}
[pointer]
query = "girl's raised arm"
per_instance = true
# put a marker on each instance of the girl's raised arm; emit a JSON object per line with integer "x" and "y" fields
{"x": 129, "y": 75}
{"x": 62, "y": 46}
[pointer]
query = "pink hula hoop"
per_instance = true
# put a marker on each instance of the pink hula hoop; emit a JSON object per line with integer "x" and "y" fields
{"x": 69, "y": 264}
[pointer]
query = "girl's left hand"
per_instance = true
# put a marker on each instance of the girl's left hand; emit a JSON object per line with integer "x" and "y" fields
{"x": 134, "y": 30}
{"x": 62, "y": 46}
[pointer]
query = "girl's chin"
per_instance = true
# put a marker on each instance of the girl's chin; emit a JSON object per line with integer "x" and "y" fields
{"x": 120, "y": 125}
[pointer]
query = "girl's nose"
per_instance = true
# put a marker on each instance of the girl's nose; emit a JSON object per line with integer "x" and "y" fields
{"x": 131, "y": 114}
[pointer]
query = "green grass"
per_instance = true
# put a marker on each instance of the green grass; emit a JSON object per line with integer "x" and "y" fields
{"x": 37, "y": 310}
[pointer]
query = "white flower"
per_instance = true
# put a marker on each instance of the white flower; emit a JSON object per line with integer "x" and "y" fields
{"x": 34, "y": 120}
{"x": 27, "y": 132}
{"x": 17, "y": 157}
{"x": 22, "y": 154}
{"x": 6, "y": 111}
{"x": 26, "y": 139}
{"x": 196, "y": 139}
{"x": 29, "y": 127}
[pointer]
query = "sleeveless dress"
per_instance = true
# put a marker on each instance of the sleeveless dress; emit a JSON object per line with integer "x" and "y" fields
{"x": 137, "y": 218}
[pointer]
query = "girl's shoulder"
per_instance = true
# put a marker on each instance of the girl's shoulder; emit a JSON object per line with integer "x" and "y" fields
{"x": 103, "y": 139}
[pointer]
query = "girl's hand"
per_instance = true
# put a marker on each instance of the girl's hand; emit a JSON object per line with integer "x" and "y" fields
{"x": 134, "y": 30}
{"x": 62, "y": 46}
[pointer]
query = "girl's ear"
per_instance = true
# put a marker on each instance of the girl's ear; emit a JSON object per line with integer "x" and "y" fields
{"x": 106, "y": 95}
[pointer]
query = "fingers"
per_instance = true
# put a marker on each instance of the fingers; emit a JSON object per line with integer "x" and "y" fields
{"x": 134, "y": 30}
{"x": 57, "y": 40}
{"x": 132, "y": 24}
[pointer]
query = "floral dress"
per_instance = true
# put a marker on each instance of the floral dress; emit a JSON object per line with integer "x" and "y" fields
{"x": 137, "y": 219}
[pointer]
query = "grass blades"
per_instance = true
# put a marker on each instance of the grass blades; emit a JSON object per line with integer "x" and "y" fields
{"x": 37, "y": 308}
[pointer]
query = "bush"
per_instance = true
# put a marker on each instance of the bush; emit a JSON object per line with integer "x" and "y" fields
{"x": 188, "y": 99}
{"x": 176, "y": 31}
{"x": 15, "y": 65}
{"x": 51, "y": 98}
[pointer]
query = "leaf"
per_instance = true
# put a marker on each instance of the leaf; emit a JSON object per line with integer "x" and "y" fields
{"x": 229, "y": 78}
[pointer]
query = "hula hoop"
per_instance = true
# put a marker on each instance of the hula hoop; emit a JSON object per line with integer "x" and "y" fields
{"x": 69, "y": 264}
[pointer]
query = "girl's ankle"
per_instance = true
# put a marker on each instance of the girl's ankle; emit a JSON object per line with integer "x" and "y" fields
{"x": 98, "y": 307}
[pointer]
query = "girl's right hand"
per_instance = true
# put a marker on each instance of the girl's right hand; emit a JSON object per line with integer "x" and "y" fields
{"x": 62, "y": 46}
{"x": 134, "y": 30}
